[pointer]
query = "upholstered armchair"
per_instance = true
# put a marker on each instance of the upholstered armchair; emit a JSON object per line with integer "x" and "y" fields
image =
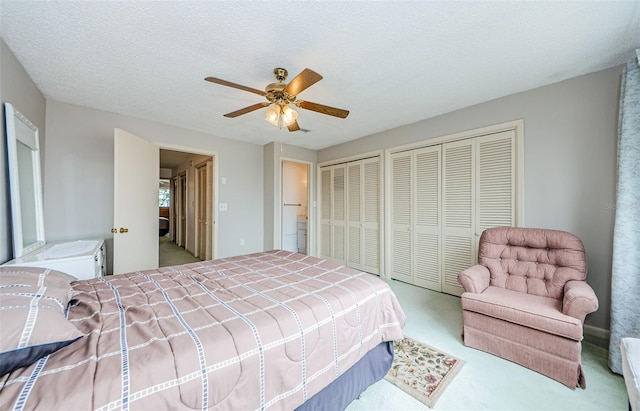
{"x": 527, "y": 299}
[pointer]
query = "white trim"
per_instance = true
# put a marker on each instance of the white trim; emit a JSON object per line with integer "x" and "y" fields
{"x": 356, "y": 157}
{"x": 517, "y": 125}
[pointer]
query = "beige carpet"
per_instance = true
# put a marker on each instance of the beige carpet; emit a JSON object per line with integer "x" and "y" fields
{"x": 171, "y": 254}
{"x": 422, "y": 371}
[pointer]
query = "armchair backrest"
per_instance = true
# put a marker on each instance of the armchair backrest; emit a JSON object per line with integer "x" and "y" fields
{"x": 532, "y": 260}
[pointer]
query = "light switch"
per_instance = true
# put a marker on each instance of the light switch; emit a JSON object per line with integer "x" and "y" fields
{"x": 224, "y": 180}
{"x": 222, "y": 206}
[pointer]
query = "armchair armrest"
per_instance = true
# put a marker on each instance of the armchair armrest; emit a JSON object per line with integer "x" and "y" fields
{"x": 579, "y": 299}
{"x": 475, "y": 279}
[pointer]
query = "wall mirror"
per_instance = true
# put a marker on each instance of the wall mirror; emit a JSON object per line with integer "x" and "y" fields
{"x": 25, "y": 185}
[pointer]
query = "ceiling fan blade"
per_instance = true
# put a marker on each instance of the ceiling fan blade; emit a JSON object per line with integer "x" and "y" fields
{"x": 320, "y": 108}
{"x": 246, "y": 110}
{"x": 294, "y": 126}
{"x": 234, "y": 85}
{"x": 302, "y": 81}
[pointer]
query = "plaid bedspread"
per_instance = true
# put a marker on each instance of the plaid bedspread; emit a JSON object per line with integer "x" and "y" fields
{"x": 261, "y": 331}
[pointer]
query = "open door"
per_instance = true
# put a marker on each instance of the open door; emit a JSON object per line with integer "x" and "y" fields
{"x": 135, "y": 211}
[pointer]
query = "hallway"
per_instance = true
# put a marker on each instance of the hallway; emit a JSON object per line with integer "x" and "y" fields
{"x": 171, "y": 254}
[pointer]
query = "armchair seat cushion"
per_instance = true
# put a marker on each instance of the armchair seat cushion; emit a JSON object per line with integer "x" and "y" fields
{"x": 533, "y": 311}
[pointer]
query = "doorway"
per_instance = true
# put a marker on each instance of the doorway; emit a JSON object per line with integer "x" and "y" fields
{"x": 294, "y": 217}
{"x": 192, "y": 230}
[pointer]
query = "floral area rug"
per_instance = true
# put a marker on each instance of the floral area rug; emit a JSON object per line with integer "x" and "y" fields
{"x": 422, "y": 371}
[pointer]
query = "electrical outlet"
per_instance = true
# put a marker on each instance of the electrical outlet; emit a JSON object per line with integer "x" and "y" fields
{"x": 242, "y": 242}
{"x": 223, "y": 207}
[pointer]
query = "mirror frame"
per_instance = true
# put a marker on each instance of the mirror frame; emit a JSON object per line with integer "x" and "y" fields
{"x": 20, "y": 130}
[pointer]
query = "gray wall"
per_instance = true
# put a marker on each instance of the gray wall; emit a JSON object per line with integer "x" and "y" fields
{"x": 78, "y": 185}
{"x": 17, "y": 88}
{"x": 570, "y": 140}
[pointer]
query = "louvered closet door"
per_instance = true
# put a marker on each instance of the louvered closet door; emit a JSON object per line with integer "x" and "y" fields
{"x": 401, "y": 255}
{"x": 354, "y": 214}
{"x": 496, "y": 181}
{"x": 458, "y": 214}
{"x": 339, "y": 215}
{"x": 363, "y": 215}
{"x": 371, "y": 216}
{"x": 426, "y": 217}
{"x": 326, "y": 181}
{"x": 333, "y": 213}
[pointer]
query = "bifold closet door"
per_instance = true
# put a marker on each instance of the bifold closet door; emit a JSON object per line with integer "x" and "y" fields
{"x": 458, "y": 217}
{"x": 325, "y": 213}
{"x": 333, "y": 213}
{"x": 401, "y": 250}
{"x": 363, "y": 215}
{"x": 479, "y": 187}
{"x": 354, "y": 215}
{"x": 496, "y": 188}
{"x": 442, "y": 198}
{"x": 372, "y": 215}
{"x": 415, "y": 217}
{"x": 426, "y": 212}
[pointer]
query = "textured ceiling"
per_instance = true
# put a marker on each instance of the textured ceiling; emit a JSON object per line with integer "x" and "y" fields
{"x": 389, "y": 63}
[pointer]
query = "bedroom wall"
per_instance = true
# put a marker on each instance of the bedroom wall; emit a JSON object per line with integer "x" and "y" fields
{"x": 17, "y": 88}
{"x": 570, "y": 140}
{"x": 78, "y": 184}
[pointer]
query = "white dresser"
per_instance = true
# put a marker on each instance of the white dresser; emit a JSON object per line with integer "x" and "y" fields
{"x": 83, "y": 259}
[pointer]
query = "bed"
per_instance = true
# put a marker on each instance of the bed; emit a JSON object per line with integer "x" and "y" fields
{"x": 274, "y": 330}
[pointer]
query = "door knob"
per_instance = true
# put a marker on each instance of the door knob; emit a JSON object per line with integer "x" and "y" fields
{"x": 114, "y": 230}
{"x": 124, "y": 230}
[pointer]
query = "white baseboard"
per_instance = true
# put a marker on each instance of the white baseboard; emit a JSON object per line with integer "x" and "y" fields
{"x": 597, "y": 332}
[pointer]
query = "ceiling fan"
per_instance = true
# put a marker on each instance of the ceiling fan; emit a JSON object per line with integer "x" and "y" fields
{"x": 280, "y": 96}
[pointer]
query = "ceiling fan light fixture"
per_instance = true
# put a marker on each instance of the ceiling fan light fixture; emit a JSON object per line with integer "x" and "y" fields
{"x": 272, "y": 114}
{"x": 289, "y": 115}
{"x": 281, "y": 97}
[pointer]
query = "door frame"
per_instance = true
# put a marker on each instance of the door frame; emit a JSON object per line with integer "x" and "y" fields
{"x": 181, "y": 206}
{"x": 173, "y": 212}
{"x": 214, "y": 155}
{"x": 311, "y": 209}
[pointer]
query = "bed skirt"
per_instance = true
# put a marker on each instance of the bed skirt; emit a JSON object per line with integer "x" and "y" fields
{"x": 340, "y": 393}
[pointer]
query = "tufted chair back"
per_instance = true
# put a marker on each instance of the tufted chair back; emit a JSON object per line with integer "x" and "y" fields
{"x": 532, "y": 260}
